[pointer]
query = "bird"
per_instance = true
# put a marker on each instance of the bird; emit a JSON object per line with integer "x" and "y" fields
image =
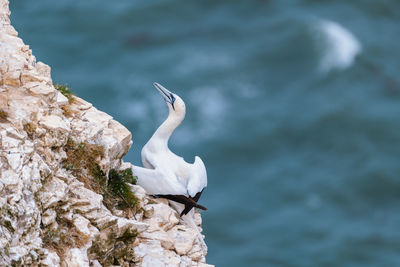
{"x": 166, "y": 174}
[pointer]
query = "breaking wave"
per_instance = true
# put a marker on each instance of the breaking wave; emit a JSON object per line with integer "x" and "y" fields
{"x": 339, "y": 46}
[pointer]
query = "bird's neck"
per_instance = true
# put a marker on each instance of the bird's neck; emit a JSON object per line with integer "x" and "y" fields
{"x": 164, "y": 132}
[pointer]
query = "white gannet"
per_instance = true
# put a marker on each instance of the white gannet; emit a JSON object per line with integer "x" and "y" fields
{"x": 166, "y": 174}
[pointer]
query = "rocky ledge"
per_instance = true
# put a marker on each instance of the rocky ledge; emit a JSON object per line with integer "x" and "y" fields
{"x": 66, "y": 196}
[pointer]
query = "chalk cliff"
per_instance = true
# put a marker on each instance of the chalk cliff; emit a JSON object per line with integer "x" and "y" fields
{"x": 63, "y": 184}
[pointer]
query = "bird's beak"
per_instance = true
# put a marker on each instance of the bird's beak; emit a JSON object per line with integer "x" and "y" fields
{"x": 164, "y": 92}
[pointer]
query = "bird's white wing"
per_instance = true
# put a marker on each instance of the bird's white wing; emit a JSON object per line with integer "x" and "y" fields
{"x": 146, "y": 160}
{"x": 156, "y": 183}
{"x": 198, "y": 178}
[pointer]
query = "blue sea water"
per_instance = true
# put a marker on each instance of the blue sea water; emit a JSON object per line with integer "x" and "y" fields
{"x": 292, "y": 105}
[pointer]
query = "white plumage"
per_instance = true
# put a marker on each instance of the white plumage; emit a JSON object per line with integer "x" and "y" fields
{"x": 164, "y": 172}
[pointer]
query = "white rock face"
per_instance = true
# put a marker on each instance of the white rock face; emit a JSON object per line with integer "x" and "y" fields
{"x": 55, "y": 157}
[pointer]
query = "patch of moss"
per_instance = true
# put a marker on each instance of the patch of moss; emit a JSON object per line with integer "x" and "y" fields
{"x": 120, "y": 252}
{"x": 123, "y": 175}
{"x": 30, "y": 129}
{"x": 67, "y": 111}
{"x": 82, "y": 162}
{"x": 66, "y": 91}
{"x": 118, "y": 190}
{"x": 64, "y": 237}
{"x": 128, "y": 236}
{"x": 51, "y": 238}
{"x": 7, "y": 249}
{"x": 7, "y": 224}
{"x": 45, "y": 176}
{"x": 15, "y": 263}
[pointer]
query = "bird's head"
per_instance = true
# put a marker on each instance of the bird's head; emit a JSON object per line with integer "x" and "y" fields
{"x": 174, "y": 102}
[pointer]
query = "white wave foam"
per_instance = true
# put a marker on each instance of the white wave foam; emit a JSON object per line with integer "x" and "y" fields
{"x": 340, "y": 46}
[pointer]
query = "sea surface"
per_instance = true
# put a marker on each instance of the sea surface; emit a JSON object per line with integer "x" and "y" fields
{"x": 293, "y": 106}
